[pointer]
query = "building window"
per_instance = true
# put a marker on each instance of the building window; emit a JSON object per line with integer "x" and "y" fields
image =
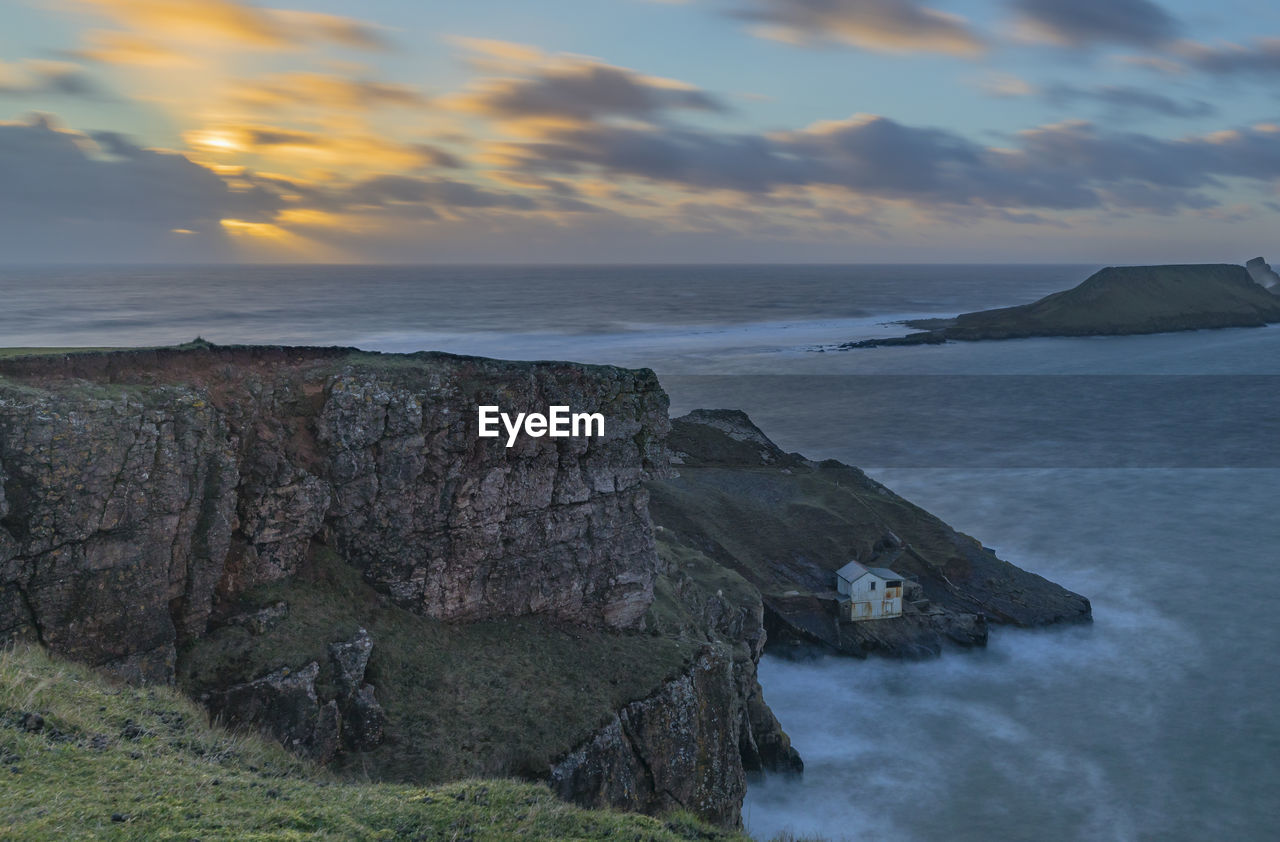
{"x": 893, "y": 584}
{"x": 873, "y": 586}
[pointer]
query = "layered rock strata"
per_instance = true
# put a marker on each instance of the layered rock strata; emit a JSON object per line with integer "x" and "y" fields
{"x": 141, "y": 490}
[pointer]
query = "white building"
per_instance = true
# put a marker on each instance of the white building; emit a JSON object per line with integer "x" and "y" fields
{"x": 874, "y": 593}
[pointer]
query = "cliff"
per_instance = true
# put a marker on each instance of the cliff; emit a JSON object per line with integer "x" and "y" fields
{"x": 142, "y": 490}
{"x": 1262, "y": 273}
{"x": 316, "y": 543}
{"x": 84, "y": 758}
{"x": 785, "y": 524}
{"x": 1117, "y": 301}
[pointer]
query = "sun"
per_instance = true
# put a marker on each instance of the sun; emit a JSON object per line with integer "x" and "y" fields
{"x": 215, "y": 140}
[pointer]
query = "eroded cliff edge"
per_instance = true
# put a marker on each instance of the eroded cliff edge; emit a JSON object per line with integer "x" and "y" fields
{"x": 317, "y": 543}
{"x": 144, "y": 489}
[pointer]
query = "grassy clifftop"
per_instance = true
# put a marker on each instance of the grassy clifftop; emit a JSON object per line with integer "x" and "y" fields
{"x": 83, "y": 758}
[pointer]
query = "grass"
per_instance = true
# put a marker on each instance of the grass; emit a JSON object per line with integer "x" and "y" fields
{"x": 504, "y": 697}
{"x": 115, "y": 762}
{"x": 6, "y": 353}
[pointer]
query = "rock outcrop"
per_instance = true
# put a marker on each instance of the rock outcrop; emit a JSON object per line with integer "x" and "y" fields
{"x": 141, "y": 490}
{"x": 175, "y": 506}
{"x": 287, "y": 704}
{"x": 1119, "y": 300}
{"x": 1262, "y": 273}
{"x": 784, "y": 524}
{"x": 677, "y": 749}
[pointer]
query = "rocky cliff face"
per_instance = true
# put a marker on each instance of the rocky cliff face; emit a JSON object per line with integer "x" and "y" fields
{"x": 142, "y": 490}
{"x": 1262, "y": 273}
{"x": 250, "y": 512}
{"x": 691, "y": 743}
{"x": 145, "y": 495}
{"x": 675, "y": 749}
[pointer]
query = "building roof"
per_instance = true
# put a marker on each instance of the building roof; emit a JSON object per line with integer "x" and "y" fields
{"x": 853, "y": 571}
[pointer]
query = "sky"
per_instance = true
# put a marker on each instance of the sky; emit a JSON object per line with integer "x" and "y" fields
{"x": 597, "y": 131}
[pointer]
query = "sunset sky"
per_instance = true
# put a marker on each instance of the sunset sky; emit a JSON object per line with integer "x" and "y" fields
{"x": 635, "y": 130}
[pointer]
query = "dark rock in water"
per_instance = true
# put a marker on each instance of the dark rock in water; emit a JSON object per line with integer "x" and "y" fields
{"x": 927, "y": 337}
{"x": 1119, "y": 300}
{"x": 1262, "y": 273}
{"x": 763, "y": 745}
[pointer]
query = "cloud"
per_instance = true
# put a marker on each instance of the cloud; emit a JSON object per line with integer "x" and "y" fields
{"x": 323, "y": 90}
{"x": 113, "y": 47}
{"x": 867, "y": 155}
{"x": 1122, "y": 101}
{"x": 882, "y": 25}
{"x": 1104, "y": 159}
{"x": 1064, "y": 166}
{"x": 492, "y": 54}
{"x": 579, "y": 90}
{"x": 73, "y": 195}
{"x": 1082, "y": 23}
{"x": 156, "y": 24}
{"x": 1262, "y": 58}
{"x": 1005, "y": 85}
{"x": 429, "y": 195}
{"x": 353, "y": 150}
{"x": 67, "y": 193}
{"x": 47, "y": 78}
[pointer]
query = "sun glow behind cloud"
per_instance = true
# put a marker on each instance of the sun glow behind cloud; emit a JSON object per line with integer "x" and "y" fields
{"x": 313, "y": 136}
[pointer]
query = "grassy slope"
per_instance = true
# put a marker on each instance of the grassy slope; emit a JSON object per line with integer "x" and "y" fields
{"x": 113, "y": 762}
{"x": 46, "y": 352}
{"x": 488, "y": 698}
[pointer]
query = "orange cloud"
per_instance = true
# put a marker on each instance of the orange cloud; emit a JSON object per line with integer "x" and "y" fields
{"x": 323, "y": 90}
{"x": 113, "y": 47}
{"x": 228, "y": 23}
{"x": 295, "y": 148}
{"x": 881, "y": 25}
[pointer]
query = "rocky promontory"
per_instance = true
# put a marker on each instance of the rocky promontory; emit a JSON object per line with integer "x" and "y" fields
{"x": 786, "y": 524}
{"x": 1118, "y": 300}
{"x": 316, "y": 543}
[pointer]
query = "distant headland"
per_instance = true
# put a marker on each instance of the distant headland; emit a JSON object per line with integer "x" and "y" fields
{"x": 1120, "y": 300}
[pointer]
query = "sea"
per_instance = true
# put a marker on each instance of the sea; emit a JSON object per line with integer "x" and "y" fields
{"x": 1140, "y": 471}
